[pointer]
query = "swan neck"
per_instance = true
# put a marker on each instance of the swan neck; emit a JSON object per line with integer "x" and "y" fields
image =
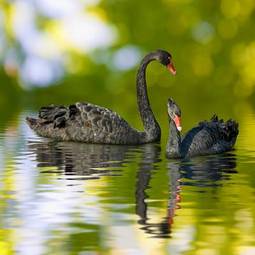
{"x": 173, "y": 148}
{"x": 151, "y": 126}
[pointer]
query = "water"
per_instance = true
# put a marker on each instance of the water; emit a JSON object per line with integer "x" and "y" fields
{"x": 71, "y": 198}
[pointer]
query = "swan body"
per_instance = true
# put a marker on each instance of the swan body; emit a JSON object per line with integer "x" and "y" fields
{"x": 209, "y": 137}
{"x": 85, "y": 122}
{"x": 89, "y": 123}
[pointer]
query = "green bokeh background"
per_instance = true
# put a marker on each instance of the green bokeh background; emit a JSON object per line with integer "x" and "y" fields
{"x": 212, "y": 43}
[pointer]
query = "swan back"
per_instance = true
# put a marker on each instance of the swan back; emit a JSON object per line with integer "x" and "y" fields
{"x": 210, "y": 137}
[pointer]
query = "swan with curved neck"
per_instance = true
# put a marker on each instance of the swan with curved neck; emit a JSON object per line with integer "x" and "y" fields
{"x": 85, "y": 122}
{"x": 209, "y": 137}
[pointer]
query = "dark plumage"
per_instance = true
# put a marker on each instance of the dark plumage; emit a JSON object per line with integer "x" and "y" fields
{"x": 85, "y": 122}
{"x": 209, "y": 137}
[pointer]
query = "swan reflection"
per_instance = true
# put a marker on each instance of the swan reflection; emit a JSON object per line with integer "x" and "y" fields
{"x": 207, "y": 171}
{"x": 90, "y": 161}
{"x": 203, "y": 171}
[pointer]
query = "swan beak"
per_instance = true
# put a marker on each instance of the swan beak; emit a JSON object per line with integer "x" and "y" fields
{"x": 171, "y": 68}
{"x": 177, "y": 121}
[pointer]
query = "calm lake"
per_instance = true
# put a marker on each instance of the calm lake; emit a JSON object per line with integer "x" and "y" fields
{"x": 71, "y": 198}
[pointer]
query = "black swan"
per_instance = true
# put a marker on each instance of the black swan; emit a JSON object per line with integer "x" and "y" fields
{"x": 209, "y": 137}
{"x": 85, "y": 122}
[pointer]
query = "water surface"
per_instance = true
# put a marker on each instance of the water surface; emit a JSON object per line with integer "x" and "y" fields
{"x": 74, "y": 198}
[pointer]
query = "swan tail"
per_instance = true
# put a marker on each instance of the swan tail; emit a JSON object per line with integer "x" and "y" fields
{"x": 226, "y": 130}
{"x": 49, "y": 117}
{"x": 47, "y": 129}
{"x": 39, "y": 126}
{"x": 57, "y": 115}
{"x": 231, "y": 130}
{"x": 32, "y": 122}
{"x": 52, "y": 120}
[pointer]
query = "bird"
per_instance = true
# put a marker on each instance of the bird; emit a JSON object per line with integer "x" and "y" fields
{"x": 90, "y": 123}
{"x": 209, "y": 137}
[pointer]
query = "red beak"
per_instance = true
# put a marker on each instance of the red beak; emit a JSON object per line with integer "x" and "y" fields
{"x": 177, "y": 121}
{"x": 171, "y": 68}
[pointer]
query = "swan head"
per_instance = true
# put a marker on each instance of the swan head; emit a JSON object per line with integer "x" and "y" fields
{"x": 174, "y": 113}
{"x": 165, "y": 58}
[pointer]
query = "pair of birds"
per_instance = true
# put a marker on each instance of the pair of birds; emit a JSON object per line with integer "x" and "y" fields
{"x": 88, "y": 123}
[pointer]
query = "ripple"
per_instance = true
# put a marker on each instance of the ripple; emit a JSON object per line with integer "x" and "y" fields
{"x": 86, "y": 191}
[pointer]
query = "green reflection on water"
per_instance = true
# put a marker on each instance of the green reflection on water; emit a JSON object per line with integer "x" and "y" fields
{"x": 112, "y": 199}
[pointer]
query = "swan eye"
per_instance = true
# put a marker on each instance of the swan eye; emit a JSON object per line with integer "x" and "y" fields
{"x": 169, "y": 58}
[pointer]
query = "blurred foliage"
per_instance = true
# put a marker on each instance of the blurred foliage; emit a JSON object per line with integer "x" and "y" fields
{"x": 212, "y": 43}
{"x": 11, "y": 96}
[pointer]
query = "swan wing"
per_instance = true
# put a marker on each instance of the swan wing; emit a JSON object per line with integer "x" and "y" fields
{"x": 197, "y": 141}
{"x": 209, "y": 137}
{"x": 100, "y": 118}
{"x": 83, "y": 122}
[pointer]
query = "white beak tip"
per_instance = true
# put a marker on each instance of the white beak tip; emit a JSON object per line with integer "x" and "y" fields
{"x": 179, "y": 128}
